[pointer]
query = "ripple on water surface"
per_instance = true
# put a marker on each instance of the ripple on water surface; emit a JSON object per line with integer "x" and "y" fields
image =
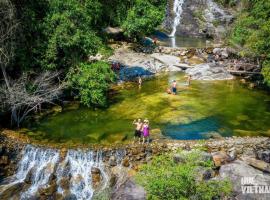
{"x": 224, "y": 107}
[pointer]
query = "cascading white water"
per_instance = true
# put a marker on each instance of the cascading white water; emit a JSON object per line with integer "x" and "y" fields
{"x": 177, "y": 9}
{"x": 38, "y": 166}
{"x": 80, "y": 165}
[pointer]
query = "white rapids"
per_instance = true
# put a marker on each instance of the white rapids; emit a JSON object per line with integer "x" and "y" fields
{"x": 38, "y": 166}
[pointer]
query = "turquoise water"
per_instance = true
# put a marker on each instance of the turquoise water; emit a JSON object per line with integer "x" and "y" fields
{"x": 224, "y": 107}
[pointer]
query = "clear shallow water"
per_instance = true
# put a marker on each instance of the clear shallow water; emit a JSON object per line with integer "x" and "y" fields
{"x": 181, "y": 41}
{"x": 224, "y": 107}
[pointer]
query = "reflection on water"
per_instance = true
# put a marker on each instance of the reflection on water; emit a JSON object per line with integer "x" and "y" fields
{"x": 181, "y": 41}
{"x": 224, "y": 107}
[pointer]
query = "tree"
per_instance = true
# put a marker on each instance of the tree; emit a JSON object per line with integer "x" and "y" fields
{"x": 28, "y": 93}
{"x": 92, "y": 81}
{"x": 251, "y": 32}
{"x": 8, "y": 25}
{"x": 70, "y": 34}
{"x": 142, "y": 19}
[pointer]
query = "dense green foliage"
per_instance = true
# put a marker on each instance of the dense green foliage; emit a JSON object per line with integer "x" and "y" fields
{"x": 251, "y": 32}
{"x": 165, "y": 179}
{"x": 69, "y": 32}
{"x": 92, "y": 82}
{"x": 143, "y": 18}
{"x": 60, "y": 35}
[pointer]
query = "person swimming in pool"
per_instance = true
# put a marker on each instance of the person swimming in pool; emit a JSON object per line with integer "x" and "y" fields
{"x": 174, "y": 85}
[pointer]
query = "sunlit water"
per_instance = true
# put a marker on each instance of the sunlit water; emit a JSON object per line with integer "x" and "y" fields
{"x": 224, "y": 107}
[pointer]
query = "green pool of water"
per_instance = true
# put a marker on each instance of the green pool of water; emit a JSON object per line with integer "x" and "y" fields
{"x": 181, "y": 41}
{"x": 224, "y": 107}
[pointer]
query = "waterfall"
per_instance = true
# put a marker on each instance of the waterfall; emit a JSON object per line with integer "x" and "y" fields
{"x": 39, "y": 167}
{"x": 177, "y": 8}
{"x": 80, "y": 165}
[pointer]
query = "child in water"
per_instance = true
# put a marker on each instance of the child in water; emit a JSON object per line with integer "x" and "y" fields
{"x": 146, "y": 130}
{"x": 174, "y": 87}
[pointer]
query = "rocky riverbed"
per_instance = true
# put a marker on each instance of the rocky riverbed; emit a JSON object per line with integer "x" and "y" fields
{"x": 211, "y": 63}
{"x": 234, "y": 158}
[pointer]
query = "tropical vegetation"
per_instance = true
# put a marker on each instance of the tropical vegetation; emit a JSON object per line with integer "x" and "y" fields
{"x": 181, "y": 178}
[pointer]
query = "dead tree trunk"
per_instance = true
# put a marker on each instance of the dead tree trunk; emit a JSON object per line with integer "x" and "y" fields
{"x": 8, "y": 26}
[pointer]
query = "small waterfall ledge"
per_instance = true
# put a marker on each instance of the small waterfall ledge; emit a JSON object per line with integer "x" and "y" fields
{"x": 74, "y": 173}
{"x": 50, "y": 173}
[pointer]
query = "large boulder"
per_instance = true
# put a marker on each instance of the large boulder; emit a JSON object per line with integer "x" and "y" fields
{"x": 129, "y": 191}
{"x": 263, "y": 155}
{"x": 179, "y": 158}
{"x": 259, "y": 164}
{"x": 220, "y": 158}
{"x": 242, "y": 175}
{"x": 209, "y": 71}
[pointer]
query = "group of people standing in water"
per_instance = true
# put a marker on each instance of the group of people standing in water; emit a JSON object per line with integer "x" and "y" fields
{"x": 142, "y": 130}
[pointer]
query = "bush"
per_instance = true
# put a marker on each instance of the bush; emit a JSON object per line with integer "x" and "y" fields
{"x": 165, "y": 179}
{"x": 251, "y": 32}
{"x": 266, "y": 71}
{"x": 227, "y": 3}
{"x": 142, "y": 19}
{"x": 92, "y": 81}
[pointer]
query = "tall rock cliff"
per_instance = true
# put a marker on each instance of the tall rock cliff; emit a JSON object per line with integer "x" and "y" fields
{"x": 200, "y": 18}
